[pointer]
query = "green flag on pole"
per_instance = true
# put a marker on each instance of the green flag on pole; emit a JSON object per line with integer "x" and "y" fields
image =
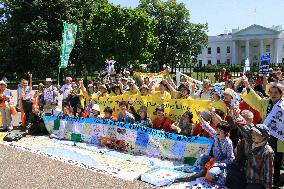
{"x": 68, "y": 42}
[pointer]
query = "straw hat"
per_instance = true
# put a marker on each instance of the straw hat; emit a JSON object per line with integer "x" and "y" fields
{"x": 279, "y": 85}
{"x": 229, "y": 91}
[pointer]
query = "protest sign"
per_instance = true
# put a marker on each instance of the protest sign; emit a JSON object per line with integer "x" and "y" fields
{"x": 131, "y": 138}
{"x": 174, "y": 108}
{"x": 275, "y": 120}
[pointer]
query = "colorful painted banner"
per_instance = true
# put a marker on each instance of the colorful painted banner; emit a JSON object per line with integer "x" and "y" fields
{"x": 131, "y": 138}
{"x": 174, "y": 108}
{"x": 67, "y": 44}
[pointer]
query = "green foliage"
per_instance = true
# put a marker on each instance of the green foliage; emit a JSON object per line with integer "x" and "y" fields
{"x": 124, "y": 34}
{"x": 155, "y": 33}
{"x": 179, "y": 40}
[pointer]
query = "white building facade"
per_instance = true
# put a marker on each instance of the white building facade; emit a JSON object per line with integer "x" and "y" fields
{"x": 251, "y": 43}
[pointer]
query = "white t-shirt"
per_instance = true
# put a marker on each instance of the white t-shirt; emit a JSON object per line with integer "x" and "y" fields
{"x": 66, "y": 89}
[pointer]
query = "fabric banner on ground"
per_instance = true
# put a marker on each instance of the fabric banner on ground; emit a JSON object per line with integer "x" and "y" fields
{"x": 275, "y": 120}
{"x": 174, "y": 108}
{"x": 131, "y": 138}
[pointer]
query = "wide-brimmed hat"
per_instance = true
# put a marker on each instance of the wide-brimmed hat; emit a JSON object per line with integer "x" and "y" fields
{"x": 279, "y": 85}
{"x": 3, "y": 83}
{"x": 261, "y": 129}
{"x": 229, "y": 91}
{"x": 96, "y": 107}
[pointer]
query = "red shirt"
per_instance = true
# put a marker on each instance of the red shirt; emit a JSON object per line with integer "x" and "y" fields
{"x": 165, "y": 127}
{"x": 257, "y": 115}
{"x": 198, "y": 130}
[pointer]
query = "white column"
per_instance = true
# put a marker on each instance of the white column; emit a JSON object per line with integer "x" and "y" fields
{"x": 276, "y": 51}
{"x": 234, "y": 61}
{"x": 247, "y": 49}
{"x": 261, "y": 47}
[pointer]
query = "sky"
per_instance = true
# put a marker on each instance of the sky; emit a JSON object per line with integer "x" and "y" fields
{"x": 224, "y": 15}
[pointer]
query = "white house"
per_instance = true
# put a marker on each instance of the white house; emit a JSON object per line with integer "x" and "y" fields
{"x": 251, "y": 42}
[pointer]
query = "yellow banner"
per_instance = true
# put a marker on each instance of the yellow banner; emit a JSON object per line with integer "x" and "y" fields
{"x": 174, "y": 108}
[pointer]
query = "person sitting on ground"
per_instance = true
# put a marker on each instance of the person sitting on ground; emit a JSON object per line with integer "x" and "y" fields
{"x": 80, "y": 111}
{"x": 67, "y": 110}
{"x": 108, "y": 114}
{"x": 184, "y": 125}
{"x": 213, "y": 117}
{"x": 161, "y": 122}
{"x": 55, "y": 110}
{"x": 141, "y": 115}
{"x": 95, "y": 111}
{"x": 222, "y": 151}
{"x": 36, "y": 124}
{"x": 124, "y": 115}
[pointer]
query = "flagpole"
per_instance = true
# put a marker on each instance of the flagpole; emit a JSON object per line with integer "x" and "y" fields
{"x": 58, "y": 75}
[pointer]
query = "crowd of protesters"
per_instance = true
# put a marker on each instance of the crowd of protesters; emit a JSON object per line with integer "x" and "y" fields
{"x": 244, "y": 154}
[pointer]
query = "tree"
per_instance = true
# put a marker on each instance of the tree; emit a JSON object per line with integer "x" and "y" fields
{"x": 180, "y": 41}
{"x": 124, "y": 34}
{"x": 33, "y": 30}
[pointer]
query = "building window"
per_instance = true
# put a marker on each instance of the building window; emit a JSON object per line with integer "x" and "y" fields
{"x": 267, "y": 48}
{"x": 200, "y": 63}
{"x": 228, "y": 49}
{"x": 218, "y": 50}
{"x": 209, "y": 50}
{"x": 228, "y": 61}
{"x": 218, "y": 62}
{"x": 209, "y": 62}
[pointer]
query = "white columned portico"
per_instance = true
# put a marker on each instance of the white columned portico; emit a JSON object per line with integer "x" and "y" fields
{"x": 247, "y": 49}
{"x": 261, "y": 47}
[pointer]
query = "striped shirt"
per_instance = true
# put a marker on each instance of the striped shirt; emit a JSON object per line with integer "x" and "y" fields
{"x": 260, "y": 166}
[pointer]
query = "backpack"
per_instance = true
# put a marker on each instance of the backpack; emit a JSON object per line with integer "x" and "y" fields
{"x": 12, "y": 137}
